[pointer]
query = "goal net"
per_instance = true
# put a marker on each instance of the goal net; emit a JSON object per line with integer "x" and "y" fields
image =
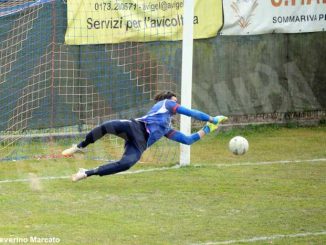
{"x": 52, "y": 93}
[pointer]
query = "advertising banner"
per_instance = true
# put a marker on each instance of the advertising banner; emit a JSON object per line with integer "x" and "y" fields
{"x": 115, "y": 21}
{"x": 250, "y": 17}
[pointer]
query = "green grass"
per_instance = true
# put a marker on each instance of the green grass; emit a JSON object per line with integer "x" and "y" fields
{"x": 205, "y": 202}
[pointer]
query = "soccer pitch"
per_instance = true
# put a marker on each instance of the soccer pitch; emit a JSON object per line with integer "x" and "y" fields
{"x": 275, "y": 194}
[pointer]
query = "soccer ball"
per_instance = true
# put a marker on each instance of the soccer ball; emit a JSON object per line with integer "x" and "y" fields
{"x": 238, "y": 145}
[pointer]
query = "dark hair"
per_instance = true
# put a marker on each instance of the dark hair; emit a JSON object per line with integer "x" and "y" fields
{"x": 164, "y": 95}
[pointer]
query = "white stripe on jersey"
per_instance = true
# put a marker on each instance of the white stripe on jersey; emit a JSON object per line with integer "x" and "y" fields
{"x": 159, "y": 111}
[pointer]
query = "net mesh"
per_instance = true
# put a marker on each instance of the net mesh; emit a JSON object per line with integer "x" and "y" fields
{"x": 52, "y": 94}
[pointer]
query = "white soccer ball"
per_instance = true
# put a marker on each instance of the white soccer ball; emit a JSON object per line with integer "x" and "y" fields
{"x": 238, "y": 145}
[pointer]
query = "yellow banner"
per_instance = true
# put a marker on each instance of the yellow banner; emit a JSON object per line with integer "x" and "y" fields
{"x": 115, "y": 21}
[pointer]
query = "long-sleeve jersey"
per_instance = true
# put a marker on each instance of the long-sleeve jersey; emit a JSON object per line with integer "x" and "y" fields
{"x": 158, "y": 122}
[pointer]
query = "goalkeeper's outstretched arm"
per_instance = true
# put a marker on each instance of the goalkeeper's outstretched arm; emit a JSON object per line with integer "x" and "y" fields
{"x": 199, "y": 115}
{"x": 190, "y": 139}
{"x": 195, "y": 114}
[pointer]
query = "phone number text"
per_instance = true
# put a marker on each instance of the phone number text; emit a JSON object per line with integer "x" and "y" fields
{"x": 162, "y": 5}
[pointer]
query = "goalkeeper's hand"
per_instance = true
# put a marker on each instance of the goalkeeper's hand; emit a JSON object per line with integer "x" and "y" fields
{"x": 211, "y": 127}
{"x": 219, "y": 119}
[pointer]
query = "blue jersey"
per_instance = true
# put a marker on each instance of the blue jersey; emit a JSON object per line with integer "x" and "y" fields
{"x": 158, "y": 119}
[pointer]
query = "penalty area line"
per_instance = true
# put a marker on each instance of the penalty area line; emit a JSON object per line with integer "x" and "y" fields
{"x": 68, "y": 177}
{"x": 264, "y": 238}
{"x": 177, "y": 167}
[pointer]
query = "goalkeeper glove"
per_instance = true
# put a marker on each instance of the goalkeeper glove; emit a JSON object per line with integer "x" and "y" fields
{"x": 218, "y": 119}
{"x": 211, "y": 127}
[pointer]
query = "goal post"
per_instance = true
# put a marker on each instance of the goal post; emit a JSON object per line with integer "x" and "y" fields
{"x": 186, "y": 78}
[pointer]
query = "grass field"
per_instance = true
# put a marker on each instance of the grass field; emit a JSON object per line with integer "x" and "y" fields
{"x": 275, "y": 194}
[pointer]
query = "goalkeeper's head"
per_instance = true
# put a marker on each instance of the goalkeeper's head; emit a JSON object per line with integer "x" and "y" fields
{"x": 165, "y": 95}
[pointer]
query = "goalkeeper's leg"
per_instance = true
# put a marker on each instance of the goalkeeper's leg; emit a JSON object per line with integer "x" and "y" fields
{"x": 116, "y": 127}
{"x": 130, "y": 157}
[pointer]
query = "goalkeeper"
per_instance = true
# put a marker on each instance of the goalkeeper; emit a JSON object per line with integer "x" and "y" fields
{"x": 141, "y": 133}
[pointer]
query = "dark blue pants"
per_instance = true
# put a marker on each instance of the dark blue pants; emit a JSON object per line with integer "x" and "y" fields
{"x": 135, "y": 136}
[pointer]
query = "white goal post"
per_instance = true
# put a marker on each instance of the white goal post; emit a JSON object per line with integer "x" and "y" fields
{"x": 186, "y": 80}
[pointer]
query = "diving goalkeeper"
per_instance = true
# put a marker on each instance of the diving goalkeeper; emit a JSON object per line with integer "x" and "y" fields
{"x": 139, "y": 134}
